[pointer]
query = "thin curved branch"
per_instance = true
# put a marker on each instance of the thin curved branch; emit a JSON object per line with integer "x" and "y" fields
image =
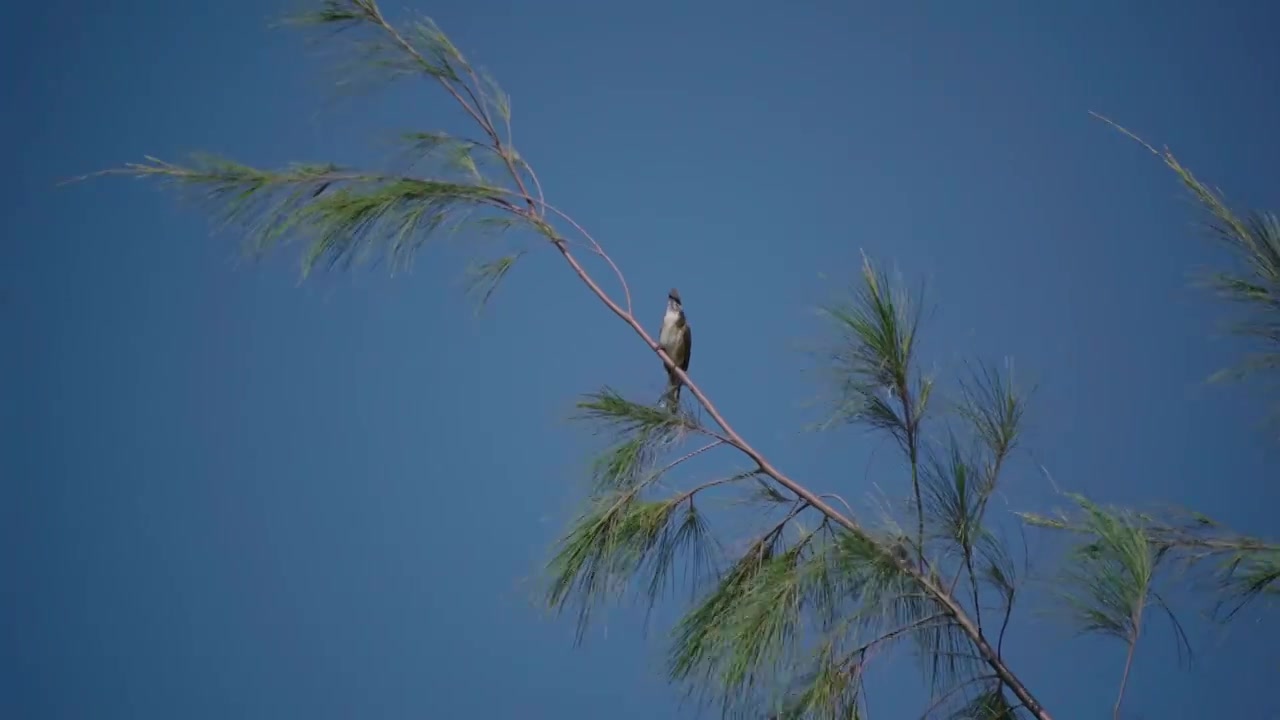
{"x": 477, "y": 112}
{"x": 835, "y": 496}
{"x": 688, "y": 456}
{"x": 596, "y": 248}
{"x": 886, "y": 637}
{"x": 690, "y": 493}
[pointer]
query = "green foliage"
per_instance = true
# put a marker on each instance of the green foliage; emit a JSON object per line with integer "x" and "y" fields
{"x": 1240, "y": 568}
{"x": 953, "y": 490}
{"x": 1108, "y": 580}
{"x": 623, "y": 536}
{"x": 872, "y": 359}
{"x": 345, "y": 215}
{"x": 792, "y": 626}
{"x": 342, "y": 214}
{"x": 485, "y": 278}
{"x": 872, "y": 366}
{"x": 875, "y": 385}
{"x": 790, "y": 622}
{"x": 1251, "y": 572}
{"x": 619, "y": 537}
{"x": 1253, "y": 238}
{"x": 1245, "y": 567}
{"x": 990, "y": 704}
{"x": 993, "y": 407}
{"x": 1109, "y": 577}
{"x": 422, "y": 49}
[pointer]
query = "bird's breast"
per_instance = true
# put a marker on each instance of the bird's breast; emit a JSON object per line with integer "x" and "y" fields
{"x": 670, "y": 329}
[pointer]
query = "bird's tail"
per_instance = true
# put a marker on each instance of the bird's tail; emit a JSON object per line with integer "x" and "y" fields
{"x": 671, "y": 397}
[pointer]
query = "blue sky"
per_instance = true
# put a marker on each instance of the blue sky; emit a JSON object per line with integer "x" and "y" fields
{"x": 228, "y": 494}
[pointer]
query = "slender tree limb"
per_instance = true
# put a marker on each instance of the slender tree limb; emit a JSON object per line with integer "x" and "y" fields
{"x": 688, "y": 456}
{"x": 688, "y": 494}
{"x": 896, "y": 632}
{"x": 596, "y": 248}
{"x": 1128, "y": 665}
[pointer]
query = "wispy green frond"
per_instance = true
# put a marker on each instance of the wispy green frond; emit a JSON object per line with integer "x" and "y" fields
{"x": 385, "y": 52}
{"x": 498, "y": 98}
{"x": 484, "y": 279}
{"x": 1243, "y": 568}
{"x": 767, "y": 491}
{"x": 740, "y": 636}
{"x": 1108, "y": 578}
{"x": 691, "y": 539}
{"x": 829, "y": 690}
{"x": 993, "y": 407}
{"x": 421, "y": 49}
{"x": 624, "y": 536}
{"x": 1045, "y": 521}
{"x": 951, "y": 488}
{"x": 997, "y": 566}
{"x": 955, "y": 497}
{"x": 615, "y": 541}
{"x": 875, "y": 384}
{"x": 744, "y": 644}
{"x": 990, "y": 704}
{"x": 641, "y": 432}
{"x": 628, "y": 418}
{"x": 1251, "y": 573}
{"x": 871, "y": 360}
{"x": 337, "y": 12}
{"x": 1254, "y": 239}
{"x": 447, "y": 155}
{"x": 943, "y": 650}
{"x": 887, "y": 600}
{"x": 342, "y": 215}
{"x": 623, "y": 465}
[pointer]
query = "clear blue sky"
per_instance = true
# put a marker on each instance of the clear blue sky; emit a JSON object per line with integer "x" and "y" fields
{"x": 226, "y": 495}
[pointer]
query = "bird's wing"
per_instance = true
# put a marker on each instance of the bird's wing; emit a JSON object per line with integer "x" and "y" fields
{"x": 688, "y": 347}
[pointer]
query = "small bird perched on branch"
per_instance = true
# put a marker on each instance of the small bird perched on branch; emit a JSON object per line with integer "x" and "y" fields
{"x": 676, "y": 340}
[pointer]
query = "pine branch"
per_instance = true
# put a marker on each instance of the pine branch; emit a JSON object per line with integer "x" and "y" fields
{"x": 345, "y": 213}
{"x": 873, "y": 371}
{"x": 1243, "y": 568}
{"x": 610, "y": 545}
{"x": 1108, "y": 582}
{"x": 342, "y": 214}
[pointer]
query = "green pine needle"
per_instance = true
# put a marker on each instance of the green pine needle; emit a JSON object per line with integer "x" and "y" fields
{"x": 337, "y": 12}
{"x": 990, "y": 704}
{"x": 871, "y": 364}
{"x": 609, "y": 408}
{"x": 615, "y": 541}
{"x": 1241, "y": 568}
{"x": 342, "y": 215}
{"x": 485, "y": 278}
{"x": 993, "y": 408}
{"x": 1109, "y": 577}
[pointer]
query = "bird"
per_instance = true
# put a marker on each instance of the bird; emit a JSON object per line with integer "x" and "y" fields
{"x": 676, "y": 340}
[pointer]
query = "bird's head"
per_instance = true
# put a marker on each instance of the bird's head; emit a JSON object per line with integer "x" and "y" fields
{"x": 673, "y": 300}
